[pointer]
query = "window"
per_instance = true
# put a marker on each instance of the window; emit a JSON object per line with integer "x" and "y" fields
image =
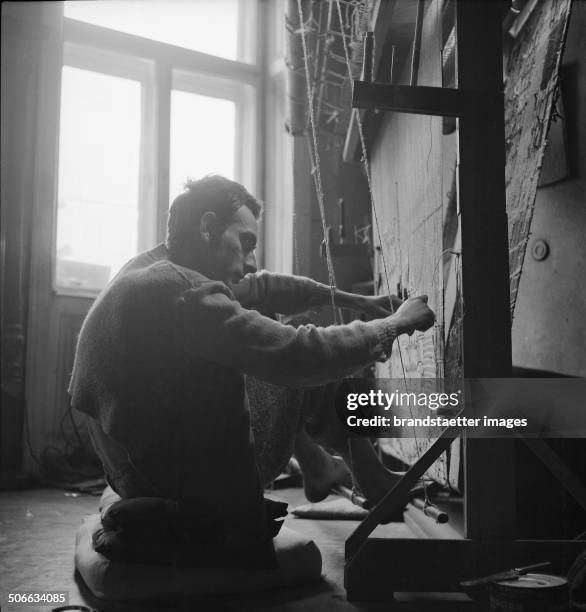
{"x": 98, "y": 182}
{"x": 217, "y": 27}
{"x": 202, "y": 138}
{"x": 139, "y": 118}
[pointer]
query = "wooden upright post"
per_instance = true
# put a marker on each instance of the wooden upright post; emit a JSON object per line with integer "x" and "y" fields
{"x": 489, "y": 472}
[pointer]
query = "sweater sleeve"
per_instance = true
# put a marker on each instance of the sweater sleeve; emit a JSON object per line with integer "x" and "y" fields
{"x": 281, "y": 293}
{"x": 215, "y": 326}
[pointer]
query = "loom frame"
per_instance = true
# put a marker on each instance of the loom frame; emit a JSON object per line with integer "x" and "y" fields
{"x": 377, "y": 567}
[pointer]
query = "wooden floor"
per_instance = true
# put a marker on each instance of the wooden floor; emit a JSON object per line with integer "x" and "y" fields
{"x": 37, "y": 532}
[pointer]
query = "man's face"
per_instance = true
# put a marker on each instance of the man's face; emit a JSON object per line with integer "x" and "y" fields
{"x": 233, "y": 251}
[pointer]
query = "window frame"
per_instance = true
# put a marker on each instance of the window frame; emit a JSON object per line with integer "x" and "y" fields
{"x": 160, "y": 68}
{"x": 137, "y": 69}
{"x": 244, "y": 97}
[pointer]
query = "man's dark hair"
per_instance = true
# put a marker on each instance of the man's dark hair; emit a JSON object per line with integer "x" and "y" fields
{"x": 213, "y": 193}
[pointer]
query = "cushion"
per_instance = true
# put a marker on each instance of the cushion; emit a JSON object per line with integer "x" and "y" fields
{"x": 157, "y": 531}
{"x": 298, "y": 562}
{"x": 340, "y": 509}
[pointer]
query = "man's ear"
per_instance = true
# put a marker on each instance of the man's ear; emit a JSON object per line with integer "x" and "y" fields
{"x": 207, "y": 226}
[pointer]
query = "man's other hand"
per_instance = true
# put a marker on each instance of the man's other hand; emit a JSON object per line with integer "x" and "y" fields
{"x": 378, "y": 306}
{"x": 414, "y": 314}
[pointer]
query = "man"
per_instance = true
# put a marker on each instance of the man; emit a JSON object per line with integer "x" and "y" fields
{"x": 163, "y": 353}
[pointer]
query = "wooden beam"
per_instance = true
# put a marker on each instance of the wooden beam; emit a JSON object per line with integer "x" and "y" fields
{"x": 489, "y": 474}
{"x": 552, "y": 461}
{"x": 420, "y": 100}
{"x": 397, "y": 497}
{"x": 179, "y": 57}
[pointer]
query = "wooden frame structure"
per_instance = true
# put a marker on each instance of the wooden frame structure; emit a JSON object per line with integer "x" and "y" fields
{"x": 376, "y": 567}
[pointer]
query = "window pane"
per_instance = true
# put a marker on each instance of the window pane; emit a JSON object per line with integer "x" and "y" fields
{"x": 209, "y": 26}
{"x": 97, "y": 219}
{"x": 203, "y": 138}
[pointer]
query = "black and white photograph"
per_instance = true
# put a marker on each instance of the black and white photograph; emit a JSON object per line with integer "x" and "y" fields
{"x": 293, "y": 299}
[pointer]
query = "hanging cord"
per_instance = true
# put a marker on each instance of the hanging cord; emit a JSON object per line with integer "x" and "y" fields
{"x": 316, "y": 166}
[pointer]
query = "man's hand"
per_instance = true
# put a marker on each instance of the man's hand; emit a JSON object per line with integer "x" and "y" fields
{"x": 378, "y": 306}
{"x": 373, "y": 306}
{"x": 414, "y": 314}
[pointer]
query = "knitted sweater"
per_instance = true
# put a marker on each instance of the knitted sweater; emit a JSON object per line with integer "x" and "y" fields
{"x": 160, "y": 365}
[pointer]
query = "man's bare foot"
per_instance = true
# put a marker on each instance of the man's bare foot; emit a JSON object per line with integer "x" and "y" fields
{"x": 318, "y": 484}
{"x": 321, "y": 471}
{"x": 373, "y": 478}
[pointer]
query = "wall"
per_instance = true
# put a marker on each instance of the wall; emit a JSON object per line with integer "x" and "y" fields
{"x": 345, "y": 181}
{"x": 339, "y": 180}
{"x": 548, "y": 326}
{"x": 22, "y": 35}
